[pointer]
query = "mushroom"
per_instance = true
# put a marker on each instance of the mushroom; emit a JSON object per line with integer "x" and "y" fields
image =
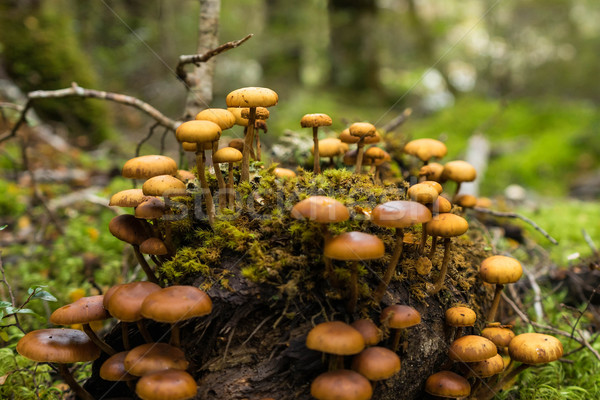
{"x": 500, "y": 335}
{"x": 60, "y": 346}
{"x": 399, "y": 317}
{"x": 361, "y": 130}
{"x": 127, "y": 198}
{"x": 425, "y": 194}
{"x": 154, "y": 247}
{"x": 145, "y": 167}
{"x": 336, "y": 338}
{"x": 447, "y": 226}
{"x": 330, "y": 147}
{"x": 355, "y": 247}
{"x": 459, "y": 171}
{"x": 153, "y": 357}
{"x": 472, "y": 348}
{"x": 114, "y": 370}
{"x": 262, "y": 114}
{"x": 341, "y": 384}
{"x": 432, "y": 172}
{"x": 175, "y": 304}
{"x": 459, "y": 317}
{"x": 314, "y": 121}
{"x": 369, "y": 331}
{"x": 230, "y": 156}
{"x": 447, "y": 384}
{"x": 500, "y": 270}
{"x": 171, "y": 384}
{"x": 426, "y": 149}
{"x": 465, "y": 200}
{"x": 376, "y": 364}
{"x": 486, "y": 368}
{"x": 398, "y": 215}
{"x": 251, "y": 97}
{"x": 83, "y": 311}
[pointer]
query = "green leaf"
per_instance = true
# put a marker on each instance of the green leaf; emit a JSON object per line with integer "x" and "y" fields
{"x": 43, "y": 295}
{"x": 15, "y": 310}
{"x": 4, "y": 335}
{"x": 4, "y": 304}
{"x": 3, "y": 227}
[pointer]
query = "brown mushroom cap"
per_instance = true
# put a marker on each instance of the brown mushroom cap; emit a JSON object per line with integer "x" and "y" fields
{"x": 237, "y": 113}
{"x": 127, "y": 198}
{"x": 252, "y": 97}
{"x": 197, "y": 131}
{"x": 535, "y": 348}
{"x": 163, "y": 185}
{"x": 312, "y": 120}
{"x": 176, "y": 303}
{"x": 432, "y": 171}
{"x": 501, "y": 270}
{"x": 108, "y": 294}
{"x": 346, "y": 137}
{"x": 484, "y": 202}
{"x": 489, "y": 367}
{"x": 227, "y": 155}
{"x": 125, "y": 303}
{"x": 459, "y": 171}
{"x": 376, "y": 363}
{"x": 152, "y": 357}
{"x": 184, "y": 176}
{"x": 329, "y": 147}
{"x": 341, "y": 385}
{"x": 375, "y": 153}
{"x": 460, "y": 316}
{"x": 82, "y": 311}
{"x": 447, "y": 384}
{"x": 399, "y": 316}
{"x": 146, "y": 167}
{"x": 362, "y": 129}
{"x": 441, "y": 205}
{"x": 436, "y": 185}
{"x": 354, "y": 246}
{"x": 170, "y": 385}
{"x": 284, "y": 173}
{"x": 335, "y": 337}
{"x": 154, "y": 246}
{"x": 261, "y": 113}
{"x": 422, "y": 193}
{"x": 186, "y": 146}
{"x": 321, "y": 209}
{"x": 472, "y": 348}
{"x": 447, "y": 225}
{"x": 369, "y": 331}
{"x": 62, "y": 346}
{"x": 224, "y": 118}
{"x": 465, "y": 200}
{"x": 128, "y": 228}
{"x": 150, "y": 208}
{"x": 426, "y": 148}
{"x": 400, "y": 214}
{"x": 114, "y": 370}
{"x": 499, "y": 335}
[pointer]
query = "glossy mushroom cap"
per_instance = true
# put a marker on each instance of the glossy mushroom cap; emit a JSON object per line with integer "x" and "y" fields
{"x": 224, "y": 118}
{"x": 535, "y": 348}
{"x": 146, "y": 167}
{"x": 459, "y": 171}
{"x": 399, "y": 316}
{"x": 176, "y": 303}
{"x": 447, "y": 384}
{"x": 460, "y": 316}
{"x": 312, "y": 120}
{"x": 227, "y": 155}
{"x": 284, "y": 173}
{"x": 82, "y": 311}
{"x": 125, "y": 303}
{"x": 128, "y": 228}
{"x": 151, "y": 208}
{"x": 376, "y": 363}
{"x": 154, "y": 246}
{"x": 252, "y": 97}
{"x": 114, "y": 370}
{"x": 335, "y": 337}
{"x": 400, "y": 214}
{"x": 432, "y": 171}
{"x": 472, "y": 348}
{"x": 166, "y": 385}
{"x": 62, "y": 346}
{"x": 369, "y": 331}
{"x": 354, "y": 246}
{"x": 489, "y": 367}
{"x": 321, "y": 209}
{"x": 362, "y": 129}
{"x": 198, "y": 132}
{"x": 164, "y": 185}
{"x": 422, "y": 193}
{"x": 152, "y": 357}
{"x": 500, "y": 270}
{"x": 127, "y": 198}
{"x": 447, "y": 225}
{"x": 342, "y": 384}
{"x": 425, "y": 149}
{"x": 501, "y": 336}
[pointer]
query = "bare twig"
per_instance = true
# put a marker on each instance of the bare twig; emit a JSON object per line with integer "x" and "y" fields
{"x": 537, "y": 300}
{"x": 519, "y": 216}
{"x": 12, "y": 296}
{"x": 145, "y": 139}
{"x": 398, "y": 121}
{"x": 22, "y": 118}
{"x": 11, "y": 106}
{"x": 198, "y": 58}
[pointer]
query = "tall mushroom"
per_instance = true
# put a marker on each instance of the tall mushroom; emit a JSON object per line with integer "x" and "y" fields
{"x": 361, "y": 130}
{"x": 262, "y": 115}
{"x": 314, "y": 121}
{"x": 250, "y": 97}
{"x": 230, "y": 156}
{"x": 459, "y": 171}
{"x": 499, "y": 270}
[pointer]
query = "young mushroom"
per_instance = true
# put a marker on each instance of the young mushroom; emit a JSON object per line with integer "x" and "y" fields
{"x": 230, "y": 156}
{"x": 459, "y": 317}
{"x": 171, "y": 384}
{"x": 369, "y": 331}
{"x": 145, "y": 167}
{"x": 262, "y": 114}
{"x": 471, "y": 348}
{"x": 336, "y": 338}
{"x": 448, "y": 385}
{"x": 398, "y": 317}
{"x": 314, "y": 121}
{"x": 341, "y": 384}
{"x": 153, "y": 357}
{"x": 376, "y": 364}
{"x": 426, "y": 149}
{"x": 459, "y": 171}
{"x": 500, "y": 270}
{"x": 361, "y": 130}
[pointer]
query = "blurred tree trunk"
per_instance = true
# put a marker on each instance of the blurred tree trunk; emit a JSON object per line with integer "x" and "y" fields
{"x": 353, "y": 27}
{"x": 200, "y": 81}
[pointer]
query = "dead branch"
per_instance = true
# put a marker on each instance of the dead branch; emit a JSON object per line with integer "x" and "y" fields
{"x": 138, "y": 148}
{"x": 199, "y": 58}
{"x": 518, "y": 216}
{"x": 398, "y": 121}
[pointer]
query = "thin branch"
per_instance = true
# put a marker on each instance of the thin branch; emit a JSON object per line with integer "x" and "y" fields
{"x": 521, "y": 217}
{"x": 138, "y": 148}
{"x": 11, "y": 106}
{"x": 398, "y": 121}
{"x": 198, "y": 58}
{"x": 22, "y": 118}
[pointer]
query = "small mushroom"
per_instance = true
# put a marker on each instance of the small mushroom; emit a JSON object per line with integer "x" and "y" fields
{"x": 459, "y": 171}
{"x": 336, "y": 338}
{"x": 398, "y": 317}
{"x": 145, "y": 167}
{"x": 153, "y": 357}
{"x": 314, "y": 121}
{"x": 376, "y": 363}
{"x": 369, "y": 331}
{"x": 447, "y": 384}
{"x": 171, "y": 384}
{"x": 500, "y": 270}
{"x": 426, "y": 149}
{"x": 361, "y": 130}
{"x": 341, "y": 384}
{"x": 230, "y": 156}
{"x": 459, "y": 317}
{"x": 471, "y": 348}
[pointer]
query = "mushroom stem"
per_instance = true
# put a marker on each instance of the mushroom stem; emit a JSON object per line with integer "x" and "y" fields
{"x": 168, "y": 233}
{"x": 248, "y": 144}
{"x": 359, "y": 155}
{"x": 175, "y": 337}
{"x": 495, "y": 303}
{"x": 457, "y": 190}
{"x": 258, "y": 147}
{"x": 433, "y": 247}
{"x": 335, "y": 362}
{"x": 351, "y": 306}
{"x": 105, "y": 347}
{"x": 144, "y": 264}
{"x": 125, "y": 335}
{"x": 396, "y": 340}
{"x": 490, "y": 392}
{"x": 317, "y": 163}
{"x": 230, "y": 193}
{"x": 219, "y": 175}
{"x": 156, "y": 261}
{"x": 144, "y": 331}
{"x": 76, "y": 387}
{"x": 329, "y": 272}
{"x": 423, "y": 238}
{"x": 391, "y": 269}
{"x": 208, "y": 200}
{"x": 437, "y": 286}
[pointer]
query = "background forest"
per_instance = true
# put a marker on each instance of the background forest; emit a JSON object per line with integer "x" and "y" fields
{"x": 521, "y": 74}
